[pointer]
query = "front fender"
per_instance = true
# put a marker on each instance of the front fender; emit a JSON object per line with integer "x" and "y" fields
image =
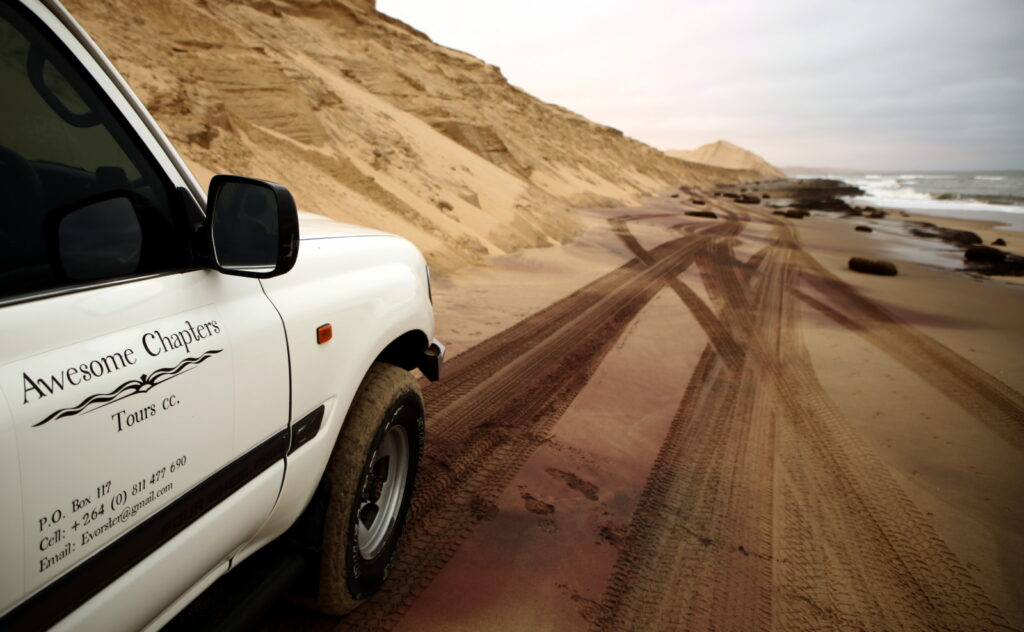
{"x": 371, "y": 290}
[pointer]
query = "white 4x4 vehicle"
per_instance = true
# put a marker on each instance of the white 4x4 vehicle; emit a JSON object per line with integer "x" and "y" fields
{"x": 184, "y": 381}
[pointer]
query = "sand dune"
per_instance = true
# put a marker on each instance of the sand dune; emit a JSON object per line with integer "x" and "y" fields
{"x": 368, "y": 121}
{"x": 724, "y": 154}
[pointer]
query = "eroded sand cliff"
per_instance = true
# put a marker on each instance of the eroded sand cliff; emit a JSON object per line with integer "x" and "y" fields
{"x": 368, "y": 121}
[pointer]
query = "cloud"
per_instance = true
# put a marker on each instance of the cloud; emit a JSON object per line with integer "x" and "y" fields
{"x": 930, "y": 84}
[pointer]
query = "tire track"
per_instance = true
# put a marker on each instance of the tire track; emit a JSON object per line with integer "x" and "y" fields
{"x": 767, "y": 458}
{"x": 470, "y": 368}
{"x": 881, "y": 562}
{"x": 703, "y": 568}
{"x": 980, "y": 393}
{"x": 719, "y": 335}
{"x": 496, "y": 406}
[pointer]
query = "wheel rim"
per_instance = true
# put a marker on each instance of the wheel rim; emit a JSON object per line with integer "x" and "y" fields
{"x": 382, "y": 492}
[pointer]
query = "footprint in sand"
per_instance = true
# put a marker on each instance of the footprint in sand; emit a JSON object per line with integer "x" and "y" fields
{"x": 586, "y": 488}
{"x": 536, "y": 505}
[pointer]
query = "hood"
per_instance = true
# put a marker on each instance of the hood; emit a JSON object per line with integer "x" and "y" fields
{"x": 313, "y": 226}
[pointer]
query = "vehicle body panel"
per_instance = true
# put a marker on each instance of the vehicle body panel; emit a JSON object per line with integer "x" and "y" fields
{"x": 212, "y": 401}
{"x": 315, "y": 226}
{"x": 131, "y": 602}
{"x": 204, "y": 405}
{"x": 371, "y": 290}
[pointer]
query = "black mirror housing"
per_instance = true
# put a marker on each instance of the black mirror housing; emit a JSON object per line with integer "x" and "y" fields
{"x": 253, "y": 227}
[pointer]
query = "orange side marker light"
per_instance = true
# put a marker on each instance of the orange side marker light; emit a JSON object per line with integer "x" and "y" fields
{"x": 323, "y": 333}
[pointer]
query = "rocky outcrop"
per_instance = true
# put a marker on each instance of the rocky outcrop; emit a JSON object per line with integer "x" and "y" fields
{"x": 992, "y": 261}
{"x": 961, "y": 238}
{"x": 984, "y": 254}
{"x": 806, "y": 195}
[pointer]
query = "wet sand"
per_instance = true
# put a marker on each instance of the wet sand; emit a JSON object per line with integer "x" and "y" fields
{"x": 688, "y": 423}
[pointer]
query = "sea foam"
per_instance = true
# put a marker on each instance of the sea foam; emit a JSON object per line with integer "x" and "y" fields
{"x": 951, "y": 193}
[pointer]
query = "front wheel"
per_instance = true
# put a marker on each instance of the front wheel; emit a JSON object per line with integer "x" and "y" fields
{"x": 372, "y": 475}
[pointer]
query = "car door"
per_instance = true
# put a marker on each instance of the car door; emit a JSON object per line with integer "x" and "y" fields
{"x": 137, "y": 390}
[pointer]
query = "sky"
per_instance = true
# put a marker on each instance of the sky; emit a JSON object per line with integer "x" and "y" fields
{"x": 861, "y": 84}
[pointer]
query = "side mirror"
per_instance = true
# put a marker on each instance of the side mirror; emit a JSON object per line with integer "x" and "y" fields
{"x": 101, "y": 239}
{"x": 253, "y": 227}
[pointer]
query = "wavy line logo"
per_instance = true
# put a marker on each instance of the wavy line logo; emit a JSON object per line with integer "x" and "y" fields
{"x": 129, "y": 388}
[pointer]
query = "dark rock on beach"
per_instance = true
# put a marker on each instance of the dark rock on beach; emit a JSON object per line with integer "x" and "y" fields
{"x": 873, "y": 266}
{"x": 999, "y": 242}
{"x": 834, "y": 204}
{"x": 863, "y": 229}
{"x": 820, "y": 195}
{"x": 961, "y": 238}
{"x": 811, "y": 194}
{"x": 992, "y": 261}
{"x": 866, "y": 211}
{"x": 989, "y": 264}
{"x": 986, "y": 254}
{"x": 708, "y": 214}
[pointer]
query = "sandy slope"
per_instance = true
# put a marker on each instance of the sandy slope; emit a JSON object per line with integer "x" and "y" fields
{"x": 368, "y": 121}
{"x": 724, "y": 154}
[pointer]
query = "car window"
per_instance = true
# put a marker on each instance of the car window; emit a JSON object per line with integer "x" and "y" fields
{"x": 81, "y": 199}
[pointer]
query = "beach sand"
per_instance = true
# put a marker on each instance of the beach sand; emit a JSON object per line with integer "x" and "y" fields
{"x": 962, "y": 475}
{"x": 748, "y": 436}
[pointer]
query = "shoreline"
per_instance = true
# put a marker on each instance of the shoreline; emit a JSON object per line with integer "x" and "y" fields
{"x": 910, "y": 230}
{"x": 987, "y": 195}
{"x": 992, "y": 221}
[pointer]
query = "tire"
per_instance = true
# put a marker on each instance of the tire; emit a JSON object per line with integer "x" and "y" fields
{"x": 371, "y": 477}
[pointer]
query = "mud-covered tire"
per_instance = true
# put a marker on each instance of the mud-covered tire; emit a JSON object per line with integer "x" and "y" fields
{"x": 357, "y": 551}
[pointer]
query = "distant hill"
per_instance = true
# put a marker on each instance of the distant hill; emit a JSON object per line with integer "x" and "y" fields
{"x": 724, "y": 154}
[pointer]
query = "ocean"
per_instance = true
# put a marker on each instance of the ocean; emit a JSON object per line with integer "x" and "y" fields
{"x": 984, "y": 195}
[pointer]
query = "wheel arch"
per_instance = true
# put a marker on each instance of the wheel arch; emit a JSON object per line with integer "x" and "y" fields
{"x": 405, "y": 350}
